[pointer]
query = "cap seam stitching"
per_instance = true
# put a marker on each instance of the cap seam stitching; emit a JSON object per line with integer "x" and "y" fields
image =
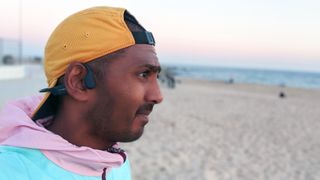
{"x": 101, "y": 53}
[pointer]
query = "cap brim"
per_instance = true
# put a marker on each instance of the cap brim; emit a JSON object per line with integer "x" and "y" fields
{"x": 47, "y": 106}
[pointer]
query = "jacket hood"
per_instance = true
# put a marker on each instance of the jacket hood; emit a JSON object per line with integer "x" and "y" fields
{"x": 18, "y": 129}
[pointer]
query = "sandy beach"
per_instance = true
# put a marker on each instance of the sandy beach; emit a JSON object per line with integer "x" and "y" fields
{"x": 216, "y": 131}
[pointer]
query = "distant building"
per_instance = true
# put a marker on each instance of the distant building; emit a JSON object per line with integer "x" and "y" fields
{"x": 9, "y": 53}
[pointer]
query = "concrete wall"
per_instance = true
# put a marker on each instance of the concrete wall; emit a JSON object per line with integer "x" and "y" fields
{"x": 21, "y": 71}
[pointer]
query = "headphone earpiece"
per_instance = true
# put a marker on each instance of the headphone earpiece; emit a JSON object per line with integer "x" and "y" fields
{"x": 89, "y": 81}
{"x": 60, "y": 90}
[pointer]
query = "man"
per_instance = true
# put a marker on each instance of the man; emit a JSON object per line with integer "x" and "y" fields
{"x": 101, "y": 68}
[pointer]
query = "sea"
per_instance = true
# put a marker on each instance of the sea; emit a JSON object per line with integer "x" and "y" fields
{"x": 284, "y": 78}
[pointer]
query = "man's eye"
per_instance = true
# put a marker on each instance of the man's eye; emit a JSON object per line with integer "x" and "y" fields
{"x": 144, "y": 74}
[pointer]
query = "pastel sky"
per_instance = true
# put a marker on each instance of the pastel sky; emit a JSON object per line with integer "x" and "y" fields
{"x": 276, "y": 34}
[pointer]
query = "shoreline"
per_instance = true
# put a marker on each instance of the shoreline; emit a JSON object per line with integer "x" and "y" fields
{"x": 258, "y": 89}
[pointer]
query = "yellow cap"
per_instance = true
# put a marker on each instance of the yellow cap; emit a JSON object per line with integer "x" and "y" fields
{"x": 83, "y": 36}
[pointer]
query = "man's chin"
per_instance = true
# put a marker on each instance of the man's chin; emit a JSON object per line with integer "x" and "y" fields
{"x": 134, "y": 136}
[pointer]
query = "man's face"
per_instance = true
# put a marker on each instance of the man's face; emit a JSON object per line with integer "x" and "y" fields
{"x": 126, "y": 95}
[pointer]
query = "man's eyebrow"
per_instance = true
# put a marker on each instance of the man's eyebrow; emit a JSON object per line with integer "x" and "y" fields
{"x": 153, "y": 68}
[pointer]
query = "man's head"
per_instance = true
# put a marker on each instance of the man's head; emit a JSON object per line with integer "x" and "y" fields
{"x": 126, "y": 91}
{"x": 125, "y": 70}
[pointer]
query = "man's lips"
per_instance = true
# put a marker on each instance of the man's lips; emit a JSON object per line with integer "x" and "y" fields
{"x": 146, "y": 109}
{"x": 146, "y": 113}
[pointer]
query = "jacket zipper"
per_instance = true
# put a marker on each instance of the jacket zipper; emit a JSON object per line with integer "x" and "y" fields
{"x": 104, "y": 174}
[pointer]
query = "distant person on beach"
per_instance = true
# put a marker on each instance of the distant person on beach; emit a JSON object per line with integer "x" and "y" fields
{"x": 170, "y": 78}
{"x": 101, "y": 68}
{"x": 167, "y": 77}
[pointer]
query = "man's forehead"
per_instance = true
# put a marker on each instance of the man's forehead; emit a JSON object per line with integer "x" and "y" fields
{"x": 141, "y": 55}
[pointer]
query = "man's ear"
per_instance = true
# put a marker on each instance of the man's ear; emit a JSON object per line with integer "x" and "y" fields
{"x": 74, "y": 81}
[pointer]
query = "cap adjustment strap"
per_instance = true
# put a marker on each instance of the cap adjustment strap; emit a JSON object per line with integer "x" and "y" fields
{"x": 143, "y": 37}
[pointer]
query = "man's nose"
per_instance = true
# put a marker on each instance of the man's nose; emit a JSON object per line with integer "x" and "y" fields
{"x": 154, "y": 94}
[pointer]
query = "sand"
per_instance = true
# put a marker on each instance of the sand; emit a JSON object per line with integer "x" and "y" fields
{"x": 215, "y": 131}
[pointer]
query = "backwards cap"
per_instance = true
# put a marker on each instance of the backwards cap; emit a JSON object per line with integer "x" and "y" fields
{"x": 83, "y": 37}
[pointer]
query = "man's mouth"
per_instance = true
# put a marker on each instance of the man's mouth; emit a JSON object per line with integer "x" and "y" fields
{"x": 145, "y": 110}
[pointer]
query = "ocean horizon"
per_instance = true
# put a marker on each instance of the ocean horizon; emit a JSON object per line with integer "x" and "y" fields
{"x": 283, "y": 78}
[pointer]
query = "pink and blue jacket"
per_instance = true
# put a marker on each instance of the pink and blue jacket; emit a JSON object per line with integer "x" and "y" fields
{"x": 30, "y": 151}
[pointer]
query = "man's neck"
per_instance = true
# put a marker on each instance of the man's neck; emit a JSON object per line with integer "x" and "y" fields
{"x": 77, "y": 132}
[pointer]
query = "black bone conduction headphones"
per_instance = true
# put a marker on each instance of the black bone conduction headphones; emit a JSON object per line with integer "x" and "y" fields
{"x": 60, "y": 90}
